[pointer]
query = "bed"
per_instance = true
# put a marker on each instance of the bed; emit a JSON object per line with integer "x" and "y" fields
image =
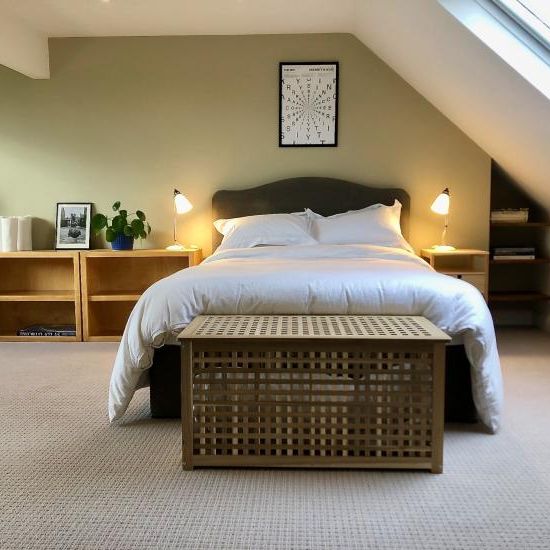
{"x": 317, "y": 279}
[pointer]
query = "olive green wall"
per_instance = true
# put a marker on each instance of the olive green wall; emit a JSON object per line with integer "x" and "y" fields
{"x": 130, "y": 118}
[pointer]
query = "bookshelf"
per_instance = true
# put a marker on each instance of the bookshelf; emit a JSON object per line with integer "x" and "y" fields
{"x": 519, "y": 225}
{"x": 113, "y": 281}
{"x": 516, "y": 287}
{"x": 39, "y": 287}
{"x": 521, "y": 262}
{"x": 524, "y": 296}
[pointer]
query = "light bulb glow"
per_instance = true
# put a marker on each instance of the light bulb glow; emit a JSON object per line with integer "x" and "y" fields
{"x": 441, "y": 204}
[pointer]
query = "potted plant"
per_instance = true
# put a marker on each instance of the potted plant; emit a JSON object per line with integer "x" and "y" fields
{"x": 122, "y": 228}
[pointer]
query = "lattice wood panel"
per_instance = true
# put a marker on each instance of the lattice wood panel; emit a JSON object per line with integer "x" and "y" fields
{"x": 409, "y": 327}
{"x": 261, "y": 402}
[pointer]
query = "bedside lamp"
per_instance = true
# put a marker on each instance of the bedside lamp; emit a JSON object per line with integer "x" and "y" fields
{"x": 441, "y": 206}
{"x": 181, "y": 206}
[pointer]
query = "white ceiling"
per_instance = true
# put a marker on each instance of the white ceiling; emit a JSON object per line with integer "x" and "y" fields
{"x": 177, "y": 17}
{"x": 419, "y": 39}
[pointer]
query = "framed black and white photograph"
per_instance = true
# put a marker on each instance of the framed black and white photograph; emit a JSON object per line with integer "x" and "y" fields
{"x": 308, "y": 104}
{"x": 73, "y": 225}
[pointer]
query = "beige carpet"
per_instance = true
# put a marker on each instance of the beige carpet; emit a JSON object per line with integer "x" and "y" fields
{"x": 69, "y": 480}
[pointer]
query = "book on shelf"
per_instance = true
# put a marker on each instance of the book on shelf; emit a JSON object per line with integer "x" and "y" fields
{"x": 513, "y": 250}
{"x": 515, "y": 257}
{"x": 519, "y": 215}
{"x": 48, "y": 330}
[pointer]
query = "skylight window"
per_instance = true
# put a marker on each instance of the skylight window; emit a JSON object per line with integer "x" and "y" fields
{"x": 518, "y": 31}
{"x": 532, "y": 15}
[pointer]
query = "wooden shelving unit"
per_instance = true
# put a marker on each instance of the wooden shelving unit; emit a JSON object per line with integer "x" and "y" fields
{"x": 113, "y": 281}
{"x": 39, "y": 287}
{"x": 522, "y": 262}
{"x": 516, "y": 287}
{"x": 515, "y": 297}
{"x": 520, "y": 224}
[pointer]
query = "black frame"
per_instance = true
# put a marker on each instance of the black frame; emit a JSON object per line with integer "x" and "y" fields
{"x": 281, "y": 64}
{"x": 87, "y": 245}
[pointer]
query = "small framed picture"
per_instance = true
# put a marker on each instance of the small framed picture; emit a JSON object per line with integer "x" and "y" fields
{"x": 73, "y": 225}
{"x": 308, "y": 104}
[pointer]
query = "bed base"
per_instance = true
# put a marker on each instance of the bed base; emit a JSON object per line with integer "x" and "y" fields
{"x": 165, "y": 379}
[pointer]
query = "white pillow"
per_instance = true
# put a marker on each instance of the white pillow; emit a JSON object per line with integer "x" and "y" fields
{"x": 264, "y": 229}
{"x": 313, "y": 214}
{"x": 377, "y": 224}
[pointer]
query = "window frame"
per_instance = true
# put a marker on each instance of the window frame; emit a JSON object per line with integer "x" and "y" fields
{"x": 526, "y": 19}
{"x": 506, "y": 38}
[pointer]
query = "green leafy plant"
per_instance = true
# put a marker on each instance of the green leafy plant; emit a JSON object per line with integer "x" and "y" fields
{"x": 132, "y": 224}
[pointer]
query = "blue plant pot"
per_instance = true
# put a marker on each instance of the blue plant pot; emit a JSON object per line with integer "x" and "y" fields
{"x": 122, "y": 242}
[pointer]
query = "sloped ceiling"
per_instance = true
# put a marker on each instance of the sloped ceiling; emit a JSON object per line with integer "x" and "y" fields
{"x": 422, "y": 42}
{"x": 467, "y": 82}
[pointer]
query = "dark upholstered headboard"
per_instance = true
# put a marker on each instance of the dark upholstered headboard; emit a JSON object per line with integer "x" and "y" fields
{"x": 325, "y": 196}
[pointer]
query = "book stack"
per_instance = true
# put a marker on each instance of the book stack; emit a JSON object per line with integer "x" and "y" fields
{"x": 514, "y": 253}
{"x": 47, "y": 330}
{"x": 510, "y": 215}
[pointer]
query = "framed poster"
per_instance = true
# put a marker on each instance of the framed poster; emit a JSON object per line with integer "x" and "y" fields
{"x": 308, "y": 104}
{"x": 72, "y": 225}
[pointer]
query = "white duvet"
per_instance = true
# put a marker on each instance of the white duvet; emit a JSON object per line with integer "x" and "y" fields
{"x": 316, "y": 279}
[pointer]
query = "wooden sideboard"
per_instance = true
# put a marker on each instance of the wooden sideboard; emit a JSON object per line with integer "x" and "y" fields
{"x": 95, "y": 290}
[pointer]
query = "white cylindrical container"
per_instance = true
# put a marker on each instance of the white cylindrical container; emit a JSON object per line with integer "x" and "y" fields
{"x": 9, "y": 234}
{"x": 24, "y": 233}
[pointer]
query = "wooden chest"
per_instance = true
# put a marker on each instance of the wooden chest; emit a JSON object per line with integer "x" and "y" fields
{"x": 345, "y": 391}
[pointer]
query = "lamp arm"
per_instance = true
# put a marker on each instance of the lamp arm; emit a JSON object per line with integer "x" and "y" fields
{"x": 444, "y": 234}
{"x": 175, "y": 225}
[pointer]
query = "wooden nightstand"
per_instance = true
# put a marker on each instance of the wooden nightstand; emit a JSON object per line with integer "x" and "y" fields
{"x": 470, "y": 265}
{"x": 113, "y": 281}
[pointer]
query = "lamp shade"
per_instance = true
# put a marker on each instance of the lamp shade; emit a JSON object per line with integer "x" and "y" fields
{"x": 441, "y": 204}
{"x": 181, "y": 202}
